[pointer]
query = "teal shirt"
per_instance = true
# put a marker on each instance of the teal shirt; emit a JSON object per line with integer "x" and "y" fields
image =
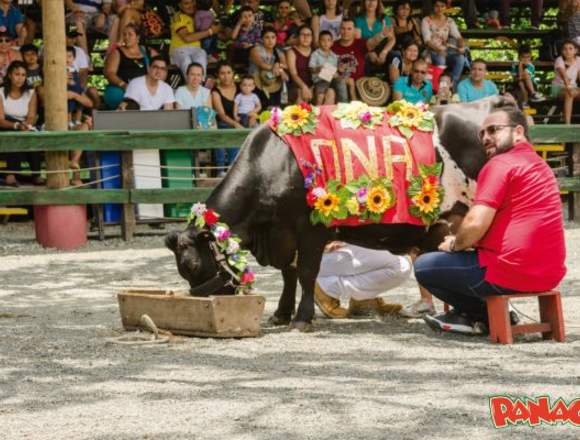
{"x": 361, "y": 23}
{"x": 468, "y": 93}
{"x": 529, "y": 67}
{"x": 411, "y": 93}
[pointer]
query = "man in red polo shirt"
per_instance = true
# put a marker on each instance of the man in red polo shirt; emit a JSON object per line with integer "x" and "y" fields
{"x": 351, "y": 53}
{"x": 515, "y": 226}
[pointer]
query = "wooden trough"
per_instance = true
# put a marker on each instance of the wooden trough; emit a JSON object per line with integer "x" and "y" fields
{"x": 215, "y": 316}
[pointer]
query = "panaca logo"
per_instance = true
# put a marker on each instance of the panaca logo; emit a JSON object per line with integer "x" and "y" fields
{"x": 506, "y": 411}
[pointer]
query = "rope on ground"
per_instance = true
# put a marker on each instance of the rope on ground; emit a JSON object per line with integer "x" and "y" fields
{"x": 68, "y": 170}
{"x": 141, "y": 339}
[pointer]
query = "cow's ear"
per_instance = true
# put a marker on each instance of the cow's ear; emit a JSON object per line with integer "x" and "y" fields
{"x": 171, "y": 241}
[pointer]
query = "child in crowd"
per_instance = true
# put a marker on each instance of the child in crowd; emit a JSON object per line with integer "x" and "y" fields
{"x": 246, "y": 34}
{"x": 445, "y": 93}
{"x": 525, "y": 74}
{"x": 204, "y": 20}
{"x": 322, "y": 58}
{"x": 34, "y": 75}
{"x": 247, "y": 105}
{"x": 77, "y": 99}
{"x": 565, "y": 83}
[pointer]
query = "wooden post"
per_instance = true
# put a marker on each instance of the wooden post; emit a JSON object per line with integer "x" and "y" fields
{"x": 575, "y": 171}
{"x": 128, "y": 222}
{"x": 55, "y": 79}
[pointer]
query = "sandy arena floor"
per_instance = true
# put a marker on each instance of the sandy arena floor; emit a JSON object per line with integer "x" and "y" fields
{"x": 353, "y": 379}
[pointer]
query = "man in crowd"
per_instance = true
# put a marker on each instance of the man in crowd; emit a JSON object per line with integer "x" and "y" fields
{"x": 476, "y": 86}
{"x": 515, "y": 226}
{"x": 414, "y": 88}
{"x": 150, "y": 91}
{"x": 89, "y": 16}
{"x": 357, "y": 276}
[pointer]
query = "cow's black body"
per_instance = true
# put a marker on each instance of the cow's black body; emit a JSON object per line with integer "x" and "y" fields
{"x": 263, "y": 200}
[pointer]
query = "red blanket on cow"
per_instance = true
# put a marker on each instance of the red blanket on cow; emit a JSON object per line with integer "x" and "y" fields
{"x": 362, "y": 164}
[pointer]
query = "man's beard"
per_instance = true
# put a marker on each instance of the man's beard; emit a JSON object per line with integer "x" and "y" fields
{"x": 502, "y": 147}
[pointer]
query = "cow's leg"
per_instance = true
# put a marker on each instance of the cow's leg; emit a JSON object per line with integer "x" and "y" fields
{"x": 309, "y": 258}
{"x": 287, "y": 302}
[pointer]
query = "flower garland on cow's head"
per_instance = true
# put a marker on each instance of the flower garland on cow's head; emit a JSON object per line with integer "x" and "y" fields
{"x": 357, "y": 114}
{"x": 407, "y": 117}
{"x": 227, "y": 243}
{"x": 426, "y": 193}
{"x": 294, "y": 119}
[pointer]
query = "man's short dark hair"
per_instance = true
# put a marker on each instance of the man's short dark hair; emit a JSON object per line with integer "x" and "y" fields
{"x": 514, "y": 114}
{"x": 245, "y": 9}
{"x": 28, "y": 48}
{"x": 159, "y": 58}
{"x": 524, "y": 49}
{"x": 348, "y": 19}
{"x": 71, "y": 49}
{"x": 479, "y": 61}
{"x": 192, "y": 65}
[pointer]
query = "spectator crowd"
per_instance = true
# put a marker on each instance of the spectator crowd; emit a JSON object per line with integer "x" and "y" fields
{"x": 236, "y": 60}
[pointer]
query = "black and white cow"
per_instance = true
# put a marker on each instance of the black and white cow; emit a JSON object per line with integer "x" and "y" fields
{"x": 263, "y": 200}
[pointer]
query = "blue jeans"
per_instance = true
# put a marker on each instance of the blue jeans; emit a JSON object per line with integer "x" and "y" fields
{"x": 457, "y": 279}
{"x": 219, "y": 155}
{"x": 454, "y": 62}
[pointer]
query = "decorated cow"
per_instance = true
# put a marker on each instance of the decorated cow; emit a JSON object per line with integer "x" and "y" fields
{"x": 390, "y": 178}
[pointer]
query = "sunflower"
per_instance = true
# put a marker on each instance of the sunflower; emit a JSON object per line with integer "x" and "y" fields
{"x": 378, "y": 200}
{"x": 295, "y": 117}
{"x": 327, "y": 204}
{"x": 411, "y": 116}
{"x": 427, "y": 201}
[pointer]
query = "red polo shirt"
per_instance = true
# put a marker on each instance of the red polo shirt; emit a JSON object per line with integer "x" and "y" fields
{"x": 524, "y": 247}
{"x": 353, "y": 56}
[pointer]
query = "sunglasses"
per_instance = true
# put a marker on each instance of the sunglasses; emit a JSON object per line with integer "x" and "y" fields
{"x": 493, "y": 129}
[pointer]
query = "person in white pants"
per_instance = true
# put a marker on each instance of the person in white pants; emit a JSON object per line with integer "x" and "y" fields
{"x": 358, "y": 275}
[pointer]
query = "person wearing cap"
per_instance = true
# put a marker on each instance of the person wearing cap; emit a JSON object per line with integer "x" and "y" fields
{"x": 7, "y": 53}
{"x": 12, "y": 21}
{"x": 358, "y": 276}
{"x": 185, "y": 45}
{"x": 414, "y": 88}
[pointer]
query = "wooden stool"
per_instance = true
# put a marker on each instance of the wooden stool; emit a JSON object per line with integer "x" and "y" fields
{"x": 551, "y": 317}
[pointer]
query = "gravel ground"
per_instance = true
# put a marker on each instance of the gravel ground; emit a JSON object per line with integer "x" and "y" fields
{"x": 351, "y": 379}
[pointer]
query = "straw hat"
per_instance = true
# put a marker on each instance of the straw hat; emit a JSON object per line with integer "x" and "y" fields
{"x": 268, "y": 82}
{"x": 373, "y": 91}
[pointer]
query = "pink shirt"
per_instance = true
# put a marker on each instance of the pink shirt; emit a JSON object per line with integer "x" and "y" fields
{"x": 524, "y": 247}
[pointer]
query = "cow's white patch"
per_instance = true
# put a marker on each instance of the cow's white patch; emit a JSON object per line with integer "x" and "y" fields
{"x": 458, "y": 187}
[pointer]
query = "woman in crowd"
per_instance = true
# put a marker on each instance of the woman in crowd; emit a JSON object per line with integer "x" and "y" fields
{"x": 282, "y": 22}
{"x": 298, "y": 60}
{"x": 18, "y": 111}
{"x": 402, "y": 65}
{"x": 329, "y": 20}
{"x": 223, "y": 96}
{"x": 373, "y": 23}
{"x": 565, "y": 83}
{"x": 407, "y": 29}
{"x": 444, "y": 42}
{"x": 7, "y": 53}
{"x": 193, "y": 94}
{"x": 128, "y": 61}
{"x": 268, "y": 67}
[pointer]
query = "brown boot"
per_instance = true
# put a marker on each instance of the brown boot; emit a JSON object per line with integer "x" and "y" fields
{"x": 371, "y": 306}
{"x": 329, "y": 306}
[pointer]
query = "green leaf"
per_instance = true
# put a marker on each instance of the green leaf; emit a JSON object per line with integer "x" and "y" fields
{"x": 314, "y": 218}
{"x": 406, "y": 131}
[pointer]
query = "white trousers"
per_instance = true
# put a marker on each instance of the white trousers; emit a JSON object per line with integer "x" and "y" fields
{"x": 184, "y": 56}
{"x": 361, "y": 273}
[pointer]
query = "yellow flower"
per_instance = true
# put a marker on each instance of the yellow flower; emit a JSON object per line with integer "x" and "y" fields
{"x": 327, "y": 204}
{"x": 427, "y": 201}
{"x": 294, "y": 117}
{"x": 378, "y": 200}
{"x": 352, "y": 206}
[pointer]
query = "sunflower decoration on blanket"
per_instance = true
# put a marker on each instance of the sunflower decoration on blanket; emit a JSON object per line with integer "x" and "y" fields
{"x": 409, "y": 117}
{"x": 294, "y": 119}
{"x": 364, "y": 198}
{"x": 357, "y": 114}
{"x": 426, "y": 193}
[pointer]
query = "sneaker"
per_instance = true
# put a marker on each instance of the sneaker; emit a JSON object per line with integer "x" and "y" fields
{"x": 537, "y": 97}
{"x": 418, "y": 309}
{"x": 454, "y": 322}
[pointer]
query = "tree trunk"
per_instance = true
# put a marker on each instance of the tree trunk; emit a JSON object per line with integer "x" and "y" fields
{"x": 55, "y": 80}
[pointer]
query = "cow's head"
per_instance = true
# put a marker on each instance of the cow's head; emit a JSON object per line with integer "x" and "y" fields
{"x": 200, "y": 262}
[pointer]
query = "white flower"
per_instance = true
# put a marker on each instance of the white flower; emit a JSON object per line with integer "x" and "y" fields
{"x": 233, "y": 247}
{"x": 319, "y": 192}
{"x": 198, "y": 209}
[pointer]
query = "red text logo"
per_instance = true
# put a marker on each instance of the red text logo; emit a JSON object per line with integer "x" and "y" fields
{"x": 506, "y": 411}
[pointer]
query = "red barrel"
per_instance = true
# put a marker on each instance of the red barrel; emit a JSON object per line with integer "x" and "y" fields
{"x": 61, "y": 226}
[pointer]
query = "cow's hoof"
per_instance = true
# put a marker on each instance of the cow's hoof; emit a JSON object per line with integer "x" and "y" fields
{"x": 301, "y": 326}
{"x": 277, "y": 320}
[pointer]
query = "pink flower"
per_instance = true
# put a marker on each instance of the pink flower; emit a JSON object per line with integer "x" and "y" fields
{"x": 366, "y": 117}
{"x": 248, "y": 277}
{"x": 319, "y": 192}
{"x": 310, "y": 198}
{"x": 361, "y": 195}
{"x": 275, "y": 117}
{"x": 224, "y": 234}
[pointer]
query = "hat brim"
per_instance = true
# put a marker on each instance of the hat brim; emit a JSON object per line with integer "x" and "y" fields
{"x": 372, "y": 100}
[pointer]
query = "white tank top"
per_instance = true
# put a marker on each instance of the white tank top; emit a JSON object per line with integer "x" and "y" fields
{"x": 333, "y": 26}
{"x": 16, "y": 108}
